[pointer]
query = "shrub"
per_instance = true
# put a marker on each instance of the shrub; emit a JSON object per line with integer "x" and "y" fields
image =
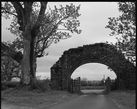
{"x": 9, "y": 84}
{"x": 41, "y": 85}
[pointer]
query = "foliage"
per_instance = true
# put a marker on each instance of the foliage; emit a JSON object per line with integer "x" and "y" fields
{"x": 124, "y": 29}
{"x": 9, "y": 69}
{"x": 16, "y": 45}
{"x": 9, "y": 84}
{"x": 37, "y": 29}
{"x": 58, "y": 23}
{"x": 22, "y": 11}
{"x": 41, "y": 85}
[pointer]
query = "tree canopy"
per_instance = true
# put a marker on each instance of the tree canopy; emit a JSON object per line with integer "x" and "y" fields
{"x": 58, "y": 23}
{"x": 124, "y": 29}
{"x": 9, "y": 69}
{"x": 37, "y": 29}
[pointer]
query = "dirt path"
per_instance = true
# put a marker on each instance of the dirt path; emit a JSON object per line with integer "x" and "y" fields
{"x": 14, "y": 99}
{"x": 89, "y": 101}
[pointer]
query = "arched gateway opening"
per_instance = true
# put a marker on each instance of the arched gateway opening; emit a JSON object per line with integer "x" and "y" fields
{"x": 102, "y": 53}
{"x": 93, "y": 71}
{"x": 93, "y": 77}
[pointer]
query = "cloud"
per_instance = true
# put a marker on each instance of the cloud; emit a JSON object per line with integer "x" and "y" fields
{"x": 45, "y": 63}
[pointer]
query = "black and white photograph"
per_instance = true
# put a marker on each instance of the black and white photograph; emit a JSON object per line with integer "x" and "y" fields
{"x": 68, "y": 55}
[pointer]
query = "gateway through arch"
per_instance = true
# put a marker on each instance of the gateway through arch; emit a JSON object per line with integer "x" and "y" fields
{"x": 102, "y": 53}
{"x": 93, "y": 72}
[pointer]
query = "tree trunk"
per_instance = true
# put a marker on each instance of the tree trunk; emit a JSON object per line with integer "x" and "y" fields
{"x": 26, "y": 63}
{"x": 33, "y": 63}
{"x": 33, "y": 74}
{"x": 29, "y": 59}
{"x": 33, "y": 71}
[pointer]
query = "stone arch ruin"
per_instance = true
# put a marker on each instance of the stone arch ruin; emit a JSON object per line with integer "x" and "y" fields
{"x": 102, "y": 53}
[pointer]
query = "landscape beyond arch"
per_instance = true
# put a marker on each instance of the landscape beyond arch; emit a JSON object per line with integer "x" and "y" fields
{"x": 102, "y": 53}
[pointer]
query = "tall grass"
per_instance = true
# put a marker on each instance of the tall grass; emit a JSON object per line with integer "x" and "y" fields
{"x": 42, "y": 85}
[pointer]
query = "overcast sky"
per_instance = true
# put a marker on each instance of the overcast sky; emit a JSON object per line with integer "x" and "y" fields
{"x": 93, "y": 19}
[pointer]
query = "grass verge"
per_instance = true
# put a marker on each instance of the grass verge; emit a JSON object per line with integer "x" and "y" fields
{"x": 24, "y": 99}
{"x": 124, "y": 99}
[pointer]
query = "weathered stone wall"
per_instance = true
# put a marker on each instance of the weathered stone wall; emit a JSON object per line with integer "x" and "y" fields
{"x": 103, "y": 53}
{"x": 75, "y": 85}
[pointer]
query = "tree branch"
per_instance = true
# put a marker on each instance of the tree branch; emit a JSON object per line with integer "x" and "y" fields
{"x": 42, "y": 12}
{"x": 63, "y": 29}
{"x": 46, "y": 38}
{"x": 55, "y": 27}
{"x": 4, "y": 10}
{"x": 27, "y": 9}
{"x": 35, "y": 29}
{"x": 20, "y": 14}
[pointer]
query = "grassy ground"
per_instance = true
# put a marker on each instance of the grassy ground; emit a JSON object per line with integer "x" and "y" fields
{"x": 123, "y": 99}
{"x": 23, "y": 99}
{"x": 92, "y": 87}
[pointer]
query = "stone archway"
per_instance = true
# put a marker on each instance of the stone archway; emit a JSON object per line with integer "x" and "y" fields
{"x": 102, "y": 53}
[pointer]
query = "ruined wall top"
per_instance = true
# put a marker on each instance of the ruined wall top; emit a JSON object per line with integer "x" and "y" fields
{"x": 87, "y": 48}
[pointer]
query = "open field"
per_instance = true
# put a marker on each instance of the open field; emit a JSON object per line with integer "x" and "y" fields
{"x": 124, "y": 99}
{"x": 92, "y": 87}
